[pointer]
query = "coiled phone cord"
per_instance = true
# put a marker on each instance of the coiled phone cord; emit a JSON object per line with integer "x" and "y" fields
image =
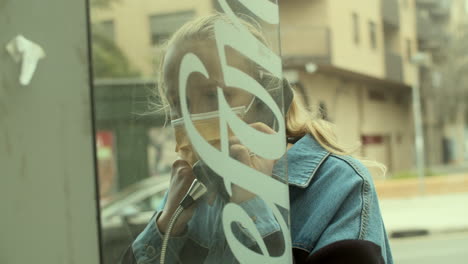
{"x": 194, "y": 193}
{"x": 174, "y": 218}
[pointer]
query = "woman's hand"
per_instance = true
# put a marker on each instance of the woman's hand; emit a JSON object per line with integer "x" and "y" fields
{"x": 243, "y": 154}
{"x": 181, "y": 180}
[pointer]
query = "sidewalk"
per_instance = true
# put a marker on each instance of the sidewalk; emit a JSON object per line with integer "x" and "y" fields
{"x": 434, "y": 185}
{"x": 425, "y": 215}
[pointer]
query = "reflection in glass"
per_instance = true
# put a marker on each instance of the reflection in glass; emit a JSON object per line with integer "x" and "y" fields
{"x": 357, "y": 67}
{"x": 200, "y": 234}
{"x": 147, "y": 125}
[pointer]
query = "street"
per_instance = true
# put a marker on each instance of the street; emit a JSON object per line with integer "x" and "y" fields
{"x": 433, "y": 249}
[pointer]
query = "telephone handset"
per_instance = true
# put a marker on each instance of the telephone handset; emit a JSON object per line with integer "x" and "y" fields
{"x": 214, "y": 182}
{"x": 206, "y": 178}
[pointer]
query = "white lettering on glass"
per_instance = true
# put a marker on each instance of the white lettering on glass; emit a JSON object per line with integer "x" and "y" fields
{"x": 269, "y": 146}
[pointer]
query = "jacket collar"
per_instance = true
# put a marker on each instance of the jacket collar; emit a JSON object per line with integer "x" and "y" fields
{"x": 304, "y": 158}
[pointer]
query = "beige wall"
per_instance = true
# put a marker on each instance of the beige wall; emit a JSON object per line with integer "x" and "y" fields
{"x": 304, "y": 27}
{"x": 408, "y": 31}
{"x": 342, "y": 101}
{"x": 303, "y": 12}
{"x": 354, "y": 114}
{"x": 346, "y": 54}
{"x": 132, "y": 29}
{"x": 393, "y": 119}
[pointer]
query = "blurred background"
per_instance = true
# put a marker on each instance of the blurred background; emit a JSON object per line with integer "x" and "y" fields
{"x": 390, "y": 75}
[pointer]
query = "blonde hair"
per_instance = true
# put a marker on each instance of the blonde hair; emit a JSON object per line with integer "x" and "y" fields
{"x": 300, "y": 121}
{"x": 200, "y": 29}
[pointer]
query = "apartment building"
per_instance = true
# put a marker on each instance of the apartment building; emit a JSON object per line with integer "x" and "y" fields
{"x": 351, "y": 58}
{"x": 139, "y": 26}
{"x": 441, "y": 26}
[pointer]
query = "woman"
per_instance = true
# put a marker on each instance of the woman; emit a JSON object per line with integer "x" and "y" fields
{"x": 334, "y": 211}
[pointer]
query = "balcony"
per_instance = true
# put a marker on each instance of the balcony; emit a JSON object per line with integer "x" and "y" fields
{"x": 393, "y": 67}
{"x": 435, "y": 38}
{"x": 391, "y": 13}
{"x": 441, "y": 11}
{"x": 426, "y": 3}
{"x": 304, "y": 44}
{"x": 438, "y": 8}
{"x": 424, "y": 27}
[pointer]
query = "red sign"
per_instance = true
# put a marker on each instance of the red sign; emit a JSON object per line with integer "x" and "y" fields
{"x": 371, "y": 139}
{"x": 106, "y": 162}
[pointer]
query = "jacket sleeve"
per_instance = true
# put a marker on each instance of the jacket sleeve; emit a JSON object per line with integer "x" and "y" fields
{"x": 262, "y": 216}
{"x": 182, "y": 249}
{"x": 266, "y": 224}
{"x": 341, "y": 204}
{"x": 147, "y": 246}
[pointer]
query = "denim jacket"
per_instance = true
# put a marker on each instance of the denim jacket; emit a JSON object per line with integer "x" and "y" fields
{"x": 332, "y": 198}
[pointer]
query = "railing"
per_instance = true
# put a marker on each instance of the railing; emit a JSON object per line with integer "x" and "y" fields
{"x": 391, "y": 12}
{"x": 305, "y": 44}
{"x": 393, "y": 67}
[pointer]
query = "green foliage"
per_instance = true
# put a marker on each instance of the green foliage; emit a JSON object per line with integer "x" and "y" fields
{"x": 108, "y": 60}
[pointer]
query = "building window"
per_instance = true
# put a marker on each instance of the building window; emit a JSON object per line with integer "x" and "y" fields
{"x": 163, "y": 25}
{"x": 373, "y": 34}
{"x": 356, "y": 31}
{"x": 409, "y": 50}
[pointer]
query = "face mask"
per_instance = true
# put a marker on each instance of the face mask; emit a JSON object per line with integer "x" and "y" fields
{"x": 207, "y": 125}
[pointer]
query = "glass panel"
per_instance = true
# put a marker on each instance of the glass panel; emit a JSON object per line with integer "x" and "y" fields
{"x": 388, "y": 115}
{"x": 191, "y": 95}
{"x": 163, "y": 25}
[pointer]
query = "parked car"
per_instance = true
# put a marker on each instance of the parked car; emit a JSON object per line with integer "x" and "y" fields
{"x": 125, "y": 215}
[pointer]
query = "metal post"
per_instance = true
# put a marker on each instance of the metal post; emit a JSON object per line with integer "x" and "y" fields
{"x": 419, "y": 136}
{"x": 49, "y": 212}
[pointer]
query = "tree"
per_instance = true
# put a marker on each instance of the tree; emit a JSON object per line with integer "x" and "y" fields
{"x": 108, "y": 59}
{"x": 455, "y": 72}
